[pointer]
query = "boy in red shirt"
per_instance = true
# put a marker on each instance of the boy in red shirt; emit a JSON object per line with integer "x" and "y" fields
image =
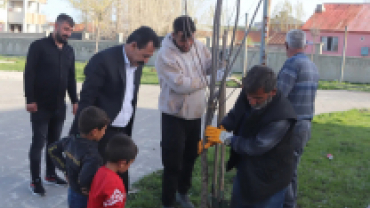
{"x": 107, "y": 189}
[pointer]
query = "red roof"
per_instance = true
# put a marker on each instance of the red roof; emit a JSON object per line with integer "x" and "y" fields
{"x": 277, "y": 38}
{"x": 254, "y": 36}
{"x": 336, "y": 16}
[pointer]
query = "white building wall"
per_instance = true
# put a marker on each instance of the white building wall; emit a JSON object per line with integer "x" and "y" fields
{"x": 25, "y": 10}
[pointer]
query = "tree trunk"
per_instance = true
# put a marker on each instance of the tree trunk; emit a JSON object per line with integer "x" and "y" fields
{"x": 211, "y": 103}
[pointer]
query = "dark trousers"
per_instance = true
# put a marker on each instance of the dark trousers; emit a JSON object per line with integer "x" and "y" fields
{"x": 302, "y": 133}
{"x": 76, "y": 200}
{"x": 179, "y": 146}
{"x": 275, "y": 201}
{"x": 109, "y": 133}
{"x": 47, "y": 127}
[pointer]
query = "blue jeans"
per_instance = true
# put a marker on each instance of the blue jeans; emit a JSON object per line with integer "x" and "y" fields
{"x": 275, "y": 201}
{"x": 302, "y": 133}
{"x": 76, "y": 200}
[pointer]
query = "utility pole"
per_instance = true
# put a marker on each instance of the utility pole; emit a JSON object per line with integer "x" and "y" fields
{"x": 344, "y": 54}
{"x": 265, "y": 31}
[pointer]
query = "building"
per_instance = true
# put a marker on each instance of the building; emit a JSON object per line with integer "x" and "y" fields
{"x": 22, "y": 16}
{"x": 327, "y": 25}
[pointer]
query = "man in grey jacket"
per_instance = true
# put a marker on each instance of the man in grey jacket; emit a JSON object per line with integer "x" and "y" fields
{"x": 298, "y": 81}
{"x": 182, "y": 64}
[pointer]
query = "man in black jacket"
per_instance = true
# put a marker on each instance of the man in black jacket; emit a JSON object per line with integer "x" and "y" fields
{"x": 49, "y": 73}
{"x": 112, "y": 83}
{"x": 261, "y": 144}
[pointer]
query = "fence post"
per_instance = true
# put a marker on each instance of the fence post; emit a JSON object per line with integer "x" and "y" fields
{"x": 343, "y": 55}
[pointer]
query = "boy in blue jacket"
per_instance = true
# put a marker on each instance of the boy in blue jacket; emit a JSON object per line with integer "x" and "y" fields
{"x": 78, "y": 156}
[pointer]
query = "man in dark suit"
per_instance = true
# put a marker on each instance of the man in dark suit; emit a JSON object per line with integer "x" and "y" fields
{"x": 112, "y": 83}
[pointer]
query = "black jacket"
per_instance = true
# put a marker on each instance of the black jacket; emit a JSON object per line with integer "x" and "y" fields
{"x": 49, "y": 72}
{"x": 104, "y": 85}
{"x": 262, "y": 174}
{"x": 78, "y": 158}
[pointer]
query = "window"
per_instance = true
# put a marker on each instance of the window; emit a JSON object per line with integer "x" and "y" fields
{"x": 330, "y": 43}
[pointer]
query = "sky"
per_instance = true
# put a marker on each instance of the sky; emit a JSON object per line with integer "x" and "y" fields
{"x": 55, "y": 7}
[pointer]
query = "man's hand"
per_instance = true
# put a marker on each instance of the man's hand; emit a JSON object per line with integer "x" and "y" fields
{"x": 218, "y": 135}
{"x": 32, "y": 107}
{"x": 74, "y": 108}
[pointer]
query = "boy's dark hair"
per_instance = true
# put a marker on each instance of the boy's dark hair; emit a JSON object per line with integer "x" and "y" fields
{"x": 184, "y": 24}
{"x": 120, "y": 147}
{"x": 142, "y": 36}
{"x": 92, "y": 118}
{"x": 259, "y": 77}
{"x": 65, "y": 18}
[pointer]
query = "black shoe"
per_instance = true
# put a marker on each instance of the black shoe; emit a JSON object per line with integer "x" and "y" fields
{"x": 184, "y": 201}
{"x": 55, "y": 180}
{"x": 37, "y": 188}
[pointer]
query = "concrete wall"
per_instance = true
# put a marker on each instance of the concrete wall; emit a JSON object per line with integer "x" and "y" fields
{"x": 19, "y": 47}
{"x": 356, "y": 69}
{"x": 30, "y": 36}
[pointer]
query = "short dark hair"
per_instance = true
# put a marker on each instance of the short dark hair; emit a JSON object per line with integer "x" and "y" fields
{"x": 92, "y": 118}
{"x": 259, "y": 77}
{"x": 142, "y": 36}
{"x": 121, "y": 147}
{"x": 184, "y": 24}
{"x": 65, "y": 18}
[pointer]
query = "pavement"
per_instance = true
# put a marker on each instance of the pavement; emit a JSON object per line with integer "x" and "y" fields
{"x": 15, "y": 134}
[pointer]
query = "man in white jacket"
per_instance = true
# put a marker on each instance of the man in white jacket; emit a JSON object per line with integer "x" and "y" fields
{"x": 182, "y": 64}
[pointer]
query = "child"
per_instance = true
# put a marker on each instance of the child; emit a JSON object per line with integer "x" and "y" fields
{"x": 81, "y": 157}
{"x": 107, "y": 189}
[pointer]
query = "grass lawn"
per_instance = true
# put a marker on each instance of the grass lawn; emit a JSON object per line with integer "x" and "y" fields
{"x": 343, "y": 181}
{"x": 335, "y": 85}
{"x": 150, "y": 76}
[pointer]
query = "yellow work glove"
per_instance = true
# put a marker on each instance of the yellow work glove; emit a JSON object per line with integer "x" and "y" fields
{"x": 218, "y": 135}
{"x": 206, "y": 146}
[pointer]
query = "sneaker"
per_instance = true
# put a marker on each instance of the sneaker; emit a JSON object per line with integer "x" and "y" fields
{"x": 55, "y": 180}
{"x": 37, "y": 188}
{"x": 184, "y": 201}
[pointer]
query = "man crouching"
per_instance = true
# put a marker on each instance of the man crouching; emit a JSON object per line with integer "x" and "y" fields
{"x": 261, "y": 143}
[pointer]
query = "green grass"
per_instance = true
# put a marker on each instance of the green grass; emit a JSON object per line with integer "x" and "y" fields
{"x": 16, "y": 65}
{"x": 335, "y": 85}
{"x": 341, "y": 182}
{"x": 150, "y": 76}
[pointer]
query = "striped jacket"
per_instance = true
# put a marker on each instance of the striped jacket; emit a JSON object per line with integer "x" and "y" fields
{"x": 298, "y": 81}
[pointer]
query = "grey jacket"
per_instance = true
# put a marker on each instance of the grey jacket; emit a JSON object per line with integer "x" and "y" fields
{"x": 182, "y": 78}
